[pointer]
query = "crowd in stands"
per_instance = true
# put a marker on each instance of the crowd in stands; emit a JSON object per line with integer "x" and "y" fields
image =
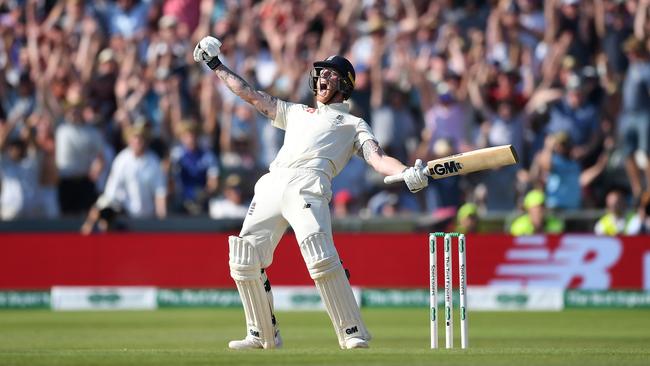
{"x": 103, "y": 111}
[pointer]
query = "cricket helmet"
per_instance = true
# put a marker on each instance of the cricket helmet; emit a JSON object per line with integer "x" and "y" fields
{"x": 342, "y": 66}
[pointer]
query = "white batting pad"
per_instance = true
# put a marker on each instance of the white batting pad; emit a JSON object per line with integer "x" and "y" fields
{"x": 327, "y": 272}
{"x": 245, "y": 270}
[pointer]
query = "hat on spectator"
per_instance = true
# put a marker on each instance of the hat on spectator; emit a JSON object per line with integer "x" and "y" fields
{"x": 562, "y": 138}
{"x": 633, "y": 44}
{"x": 589, "y": 72}
{"x": 534, "y": 198}
{"x": 568, "y": 62}
{"x": 167, "y": 21}
{"x": 233, "y": 181}
{"x": 188, "y": 126}
{"x": 106, "y": 55}
{"x": 139, "y": 128}
{"x": 442, "y": 147}
{"x": 343, "y": 197}
{"x": 376, "y": 25}
{"x": 574, "y": 82}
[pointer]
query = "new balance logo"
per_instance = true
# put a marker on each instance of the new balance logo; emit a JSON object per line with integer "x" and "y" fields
{"x": 352, "y": 330}
{"x": 254, "y": 333}
{"x": 577, "y": 261}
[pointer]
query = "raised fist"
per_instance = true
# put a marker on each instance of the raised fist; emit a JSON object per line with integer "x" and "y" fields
{"x": 208, "y": 50}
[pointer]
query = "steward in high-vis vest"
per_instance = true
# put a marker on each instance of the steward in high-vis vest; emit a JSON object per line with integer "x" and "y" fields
{"x": 537, "y": 220}
{"x": 616, "y": 221}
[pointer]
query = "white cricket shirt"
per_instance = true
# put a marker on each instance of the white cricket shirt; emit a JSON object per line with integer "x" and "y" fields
{"x": 323, "y": 138}
{"x": 135, "y": 182}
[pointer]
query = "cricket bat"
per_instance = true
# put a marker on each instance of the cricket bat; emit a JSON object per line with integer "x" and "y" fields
{"x": 464, "y": 163}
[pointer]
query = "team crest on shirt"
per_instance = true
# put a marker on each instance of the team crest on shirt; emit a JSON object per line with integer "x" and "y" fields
{"x": 338, "y": 120}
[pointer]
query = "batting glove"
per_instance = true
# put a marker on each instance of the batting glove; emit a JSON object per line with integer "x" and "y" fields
{"x": 208, "y": 50}
{"x": 415, "y": 178}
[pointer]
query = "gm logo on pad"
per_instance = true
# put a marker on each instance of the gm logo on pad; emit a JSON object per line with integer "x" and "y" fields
{"x": 352, "y": 330}
{"x": 450, "y": 167}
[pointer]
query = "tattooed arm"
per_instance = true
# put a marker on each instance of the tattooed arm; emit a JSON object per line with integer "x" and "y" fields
{"x": 264, "y": 103}
{"x": 207, "y": 51}
{"x": 373, "y": 154}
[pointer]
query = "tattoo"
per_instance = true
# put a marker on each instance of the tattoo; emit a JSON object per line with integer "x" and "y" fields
{"x": 263, "y": 102}
{"x": 369, "y": 148}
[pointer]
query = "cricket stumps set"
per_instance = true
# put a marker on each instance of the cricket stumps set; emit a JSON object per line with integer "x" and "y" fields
{"x": 462, "y": 288}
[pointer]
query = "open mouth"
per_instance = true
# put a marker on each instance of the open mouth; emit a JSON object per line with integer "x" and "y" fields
{"x": 322, "y": 88}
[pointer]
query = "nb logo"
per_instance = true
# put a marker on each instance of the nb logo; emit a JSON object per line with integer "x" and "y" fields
{"x": 352, "y": 330}
{"x": 579, "y": 261}
{"x": 254, "y": 333}
{"x": 449, "y": 167}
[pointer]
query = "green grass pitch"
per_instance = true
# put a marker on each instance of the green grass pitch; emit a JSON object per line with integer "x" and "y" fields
{"x": 401, "y": 337}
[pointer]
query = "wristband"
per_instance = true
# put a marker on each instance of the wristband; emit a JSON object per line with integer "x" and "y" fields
{"x": 214, "y": 63}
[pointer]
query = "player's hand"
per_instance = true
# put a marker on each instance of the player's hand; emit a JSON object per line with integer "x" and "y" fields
{"x": 415, "y": 178}
{"x": 208, "y": 50}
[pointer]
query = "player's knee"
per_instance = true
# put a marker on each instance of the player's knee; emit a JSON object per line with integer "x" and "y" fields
{"x": 320, "y": 255}
{"x": 244, "y": 259}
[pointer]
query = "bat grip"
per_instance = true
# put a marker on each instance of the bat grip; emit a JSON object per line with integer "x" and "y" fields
{"x": 393, "y": 178}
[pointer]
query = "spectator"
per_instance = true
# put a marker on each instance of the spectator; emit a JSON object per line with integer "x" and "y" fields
{"x": 541, "y": 67}
{"x": 232, "y": 204}
{"x": 617, "y": 220}
{"x": 393, "y": 123}
{"x": 640, "y": 222}
{"x": 136, "y": 182}
{"x": 194, "y": 170}
{"x": 343, "y": 204}
{"x": 239, "y": 139}
{"x": 577, "y": 117}
{"x": 559, "y": 173}
{"x": 392, "y": 202}
{"x": 536, "y": 220}
{"x": 79, "y": 159}
{"x": 103, "y": 217}
{"x": 467, "y": 219}
{"x": 19, "y": 172}
{"x": 126, "y": 18}
{"x": 442, "y": 194}
{"x": 634, "y": 128}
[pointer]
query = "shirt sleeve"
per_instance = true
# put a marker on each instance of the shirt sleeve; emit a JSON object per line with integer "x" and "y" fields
{"x": 98, "y": 142}
{"x": 115, "y": 180}
{"x": 213, "y": 167}
{"x": 364, "y": 133}
{"x": 281, "y": 114}
{"x": 160, "y": 183}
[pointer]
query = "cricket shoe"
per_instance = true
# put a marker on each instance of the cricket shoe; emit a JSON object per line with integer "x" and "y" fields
{"x": 352, "y": 343}
{"x": 251, "y": 342}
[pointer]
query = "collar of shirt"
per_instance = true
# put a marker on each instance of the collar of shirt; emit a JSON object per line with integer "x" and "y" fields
{"x": 339, "y": 107}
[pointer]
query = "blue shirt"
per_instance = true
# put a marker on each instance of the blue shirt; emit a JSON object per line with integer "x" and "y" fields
{"x": 636, "y": 88}
{"x": 191, "y": 169}
{"x": 563, "y": 183}
{"x": 580, "y": 123}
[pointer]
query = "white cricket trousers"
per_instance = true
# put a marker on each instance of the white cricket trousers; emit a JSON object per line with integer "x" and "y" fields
{"x": 283, "y": 197}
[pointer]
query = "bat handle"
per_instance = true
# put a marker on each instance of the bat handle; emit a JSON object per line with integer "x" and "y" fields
{"x": 400, "y": 177}
{"x": 393, "y": 179}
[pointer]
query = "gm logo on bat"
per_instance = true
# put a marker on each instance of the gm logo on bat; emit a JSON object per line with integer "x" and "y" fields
{"x": 446, "y": 168}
